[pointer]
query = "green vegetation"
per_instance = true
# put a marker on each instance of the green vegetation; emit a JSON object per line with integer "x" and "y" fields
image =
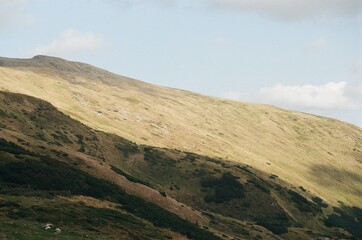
{"x": 239, "y": 200}
{"x": 156, "y": 157}
{"x": 127, "y": 148}
{"x": 61, "y": 137}
{"x": 320, "y": 202}
{"x": 259, "y": 184}
{"x": 51, "y": 175}
{"x": 151, "y": 155}
{"x": 2, "y": 113}
{"x": 131, "y": 178}
{"x": 10, "y": 147}
{"x": 75, "y": 219}
{"x": 303, "y": 204}
{"x": 348, "y": 218}
{"x": 224, "y": 189}
{"x": 278, "y": 225}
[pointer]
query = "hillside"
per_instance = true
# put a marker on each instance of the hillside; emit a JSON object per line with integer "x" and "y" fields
{"x": 91, "y": 183}
{"x": 319, "y": 154}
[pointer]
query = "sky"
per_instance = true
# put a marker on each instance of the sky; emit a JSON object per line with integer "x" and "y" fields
{"x": 303, "y": 55}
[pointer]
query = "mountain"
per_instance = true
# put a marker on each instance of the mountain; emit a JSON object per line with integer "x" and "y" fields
{"x": 90, "y": 183}
{"x": 320, "y": 154}
{"x": 212, "y": 167}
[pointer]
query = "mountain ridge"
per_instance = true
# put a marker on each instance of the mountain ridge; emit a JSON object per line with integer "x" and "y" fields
{"x": 320, "y": 154}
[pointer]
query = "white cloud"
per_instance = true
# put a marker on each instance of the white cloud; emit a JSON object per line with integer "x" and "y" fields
{"x": 233, "y": 95}
{"x": 316, "y": 44}
{"x": 358, "y": 65}
{"x": 340, "y": 100}
{"x": 69, "y": 43}
{"x": 12, "y": 12}
{"x": 221, "y": 41}
{"x": 131, "y": 3}
{"x": 282, "y": 9}
{"x": 292, "y": 9}
{"x": 329, "y": 96}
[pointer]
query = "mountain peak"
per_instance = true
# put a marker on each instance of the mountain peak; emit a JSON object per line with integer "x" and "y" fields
{"x": 47, "y": 62}
{"x": 46, "y": 57}
{"x": 71, "y": 70}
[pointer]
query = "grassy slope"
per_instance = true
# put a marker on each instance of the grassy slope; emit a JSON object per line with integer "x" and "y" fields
{"x": 31, "y": 121}
{"x": 22, "y": 218}
{"x": 208, "y": 185}
{"x": 322, "y": 155}
{"x": 28, "y": 178}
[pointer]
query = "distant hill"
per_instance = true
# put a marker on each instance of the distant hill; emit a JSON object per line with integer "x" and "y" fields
{"x": 96, "y": 185}
{"x": 322, "y": 155}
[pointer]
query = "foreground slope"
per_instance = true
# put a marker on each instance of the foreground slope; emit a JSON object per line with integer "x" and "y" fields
{"x": 54, "y": 169}
{"x": 48, "y": 176}
{"x": 322, "y": 155}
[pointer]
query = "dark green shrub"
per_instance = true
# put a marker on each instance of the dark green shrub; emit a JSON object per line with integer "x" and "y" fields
{"x": 156, "y": 157}
{"x": 275, "y": 227}
{"x": 130, "y": 177}
{"x": 10, "y": 147}
{"x": 61, "y": 137}
{"x": 273, "y": 176}
{"x": 244, "y": 168}
{"x": 320, "y": 202}
{"x": 9, "y": 204}
{"x": 224, "y": 189}
{"x": 127, "y": 148}
{"x": 259, "y": 184}
{"x": 303, "y": 204}
{"x": 163, "y": 193}
{"x": 348, "y": 218}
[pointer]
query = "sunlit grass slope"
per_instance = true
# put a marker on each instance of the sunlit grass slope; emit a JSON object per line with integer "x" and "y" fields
{"x": 321, "y": 154}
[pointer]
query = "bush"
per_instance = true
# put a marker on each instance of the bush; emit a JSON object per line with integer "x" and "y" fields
{"x": 348, "y": 218}
{"x": 259, "y": 184}
{"x": 9, "y": 204}
{"x": 277, "y": 227}
{"x": 61, "y": 137}
{"x": 127, "y": 148}
{"x": 303, "y": 204}
{"x": 10, "y": 147}
{"x": 154, "y": 157}
{"x": 320, "y": 202}
{"x": 130, "y": 177}
{"x": 224, "y": 188}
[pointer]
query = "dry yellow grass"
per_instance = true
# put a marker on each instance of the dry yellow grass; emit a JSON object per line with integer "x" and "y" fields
{"x": 322, "y": 155}
{"x": 91, "y": 202}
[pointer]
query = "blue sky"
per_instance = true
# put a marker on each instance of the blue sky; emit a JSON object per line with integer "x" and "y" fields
{"x": 303, "y": 55}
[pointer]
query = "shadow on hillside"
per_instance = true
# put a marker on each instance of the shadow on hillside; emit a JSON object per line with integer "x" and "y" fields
{"x": 324, "y": 174}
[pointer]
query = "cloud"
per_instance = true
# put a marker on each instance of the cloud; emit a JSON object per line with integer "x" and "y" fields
{"x": 358, "y": 65}
{"x": 132, "y": 3}
{"x": 70, "y": 43}
{"x": 221, "y": 41}
{"x": 282, "y": 9}
{"x": 233, "y": 95}
{"x": 329, "y": 96}
{"x": 12, "y": 12}
{"x": 316, "y": 44}
{"x": 292, "y": 9}
{"x": 340, "y": 100}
